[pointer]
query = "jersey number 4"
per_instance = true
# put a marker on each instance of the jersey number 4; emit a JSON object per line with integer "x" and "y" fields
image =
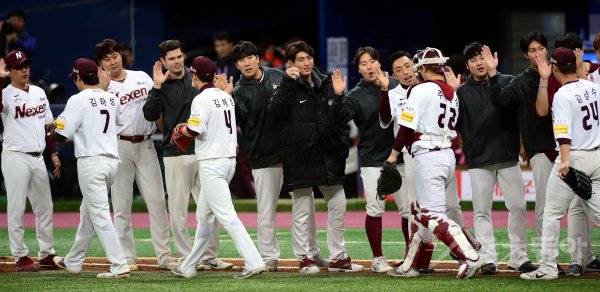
{"x": 591, "y": 111}
{"x": 451, "y": 120}
{"x": 227, "y": 114}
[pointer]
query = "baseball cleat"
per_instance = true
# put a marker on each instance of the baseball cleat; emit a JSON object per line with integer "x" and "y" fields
{"x": 468, "y": 268}
{"x": 25, "y": 264}
{"x": 344, "y": 265}
{"x": 177, "y": 271}
{"x": 247, "y": 273}
{"x": 271, "y": 266}
{"x": 398, "y": 272}
{"x": 307, "y": 266}
{"x": 60, "y": 262}
{"x": 110, "y": 275}
{"x": 380, "y": 265}
{"x": 574, "y": 270}
{"x": 489, "y": 269}
{"x": 320, "y": 262}
{"x": 47, "y": 263}
{"x": 132, "y": 265}
{"x": 213, "y": 264}
{"x": 593, "y": 266}
{"x": 171, "y": 264}
{"x": 538, "y": 275}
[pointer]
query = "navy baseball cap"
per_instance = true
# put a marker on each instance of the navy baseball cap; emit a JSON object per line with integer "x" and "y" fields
{"x": 203, "y": 66}
{"x": 16, "y": 60}
{"x": 84, "y": 67}
{"x": 563, "y": 57}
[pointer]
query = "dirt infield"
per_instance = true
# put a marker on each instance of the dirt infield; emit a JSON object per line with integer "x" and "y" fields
{"x": 354, "y": 219}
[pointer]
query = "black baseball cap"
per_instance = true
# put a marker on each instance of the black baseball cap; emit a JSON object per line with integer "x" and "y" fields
{"x": 16, "y": 60}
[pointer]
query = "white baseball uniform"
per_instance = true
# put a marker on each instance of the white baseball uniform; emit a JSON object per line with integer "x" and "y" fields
{"x": 24, "y": 116}
{"x": 91, "y": 120}
{"x": 139, "y": 162}
{"x": 433, "y": 118}
{"x": 212, "y": 116}
{"x": 575, "y": 119}
{"x": 406, "y": 194}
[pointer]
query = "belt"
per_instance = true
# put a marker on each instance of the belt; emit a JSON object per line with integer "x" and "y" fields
{"x": 429, "y": 150}
{"x": 34, "y": 154}
{"x": 135, "y": 139}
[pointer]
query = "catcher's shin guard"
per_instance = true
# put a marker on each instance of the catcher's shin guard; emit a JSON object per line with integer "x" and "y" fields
{"x": 412, "y": 249}
{"x": 472, "y": 240}
{"x": 424, "y": 254}
{"x": 453, "y": 237}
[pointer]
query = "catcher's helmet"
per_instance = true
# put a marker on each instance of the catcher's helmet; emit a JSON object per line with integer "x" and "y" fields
{"x": 431, "y": 58}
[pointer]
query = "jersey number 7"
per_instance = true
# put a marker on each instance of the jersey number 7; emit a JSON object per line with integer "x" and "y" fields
{"x": 107, "y": 114}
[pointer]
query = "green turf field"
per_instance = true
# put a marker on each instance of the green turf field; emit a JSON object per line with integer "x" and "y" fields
{"x": 357, "y": 246}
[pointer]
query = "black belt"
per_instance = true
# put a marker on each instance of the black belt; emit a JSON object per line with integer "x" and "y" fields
{"x": 34, "y": 154}
{"x": 135, "y": 139}
{"x": 429, "y": 150}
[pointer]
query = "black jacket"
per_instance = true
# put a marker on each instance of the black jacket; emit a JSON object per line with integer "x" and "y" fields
{"x": 314, "y": 143}
{"x": 520, "y": 95}
{"x": 490, "y": 134}
{"x": 173, "y": 101}
{"x": 260, "y": 130}
{"x": 362, "y": 105}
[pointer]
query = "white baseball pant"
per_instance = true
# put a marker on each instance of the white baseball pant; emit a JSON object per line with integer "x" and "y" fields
{"x": 25, "y": 176}
{"x": 215, "y": 203}
{"x": 483, "y": 182}
{"x": 559, "y": 197}
{"x": 139, "y": 162}
{"x": 268, "y": 182}
{"x": 181, "y": 178}
{"x": 96, "y": 174}
{"x": 541, "y": 167}
{"x": 303, "y": 209}
{"x": 578, "y": 234}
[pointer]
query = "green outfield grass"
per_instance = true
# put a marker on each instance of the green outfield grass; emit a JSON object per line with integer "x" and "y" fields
{"x": 357, "y": 246}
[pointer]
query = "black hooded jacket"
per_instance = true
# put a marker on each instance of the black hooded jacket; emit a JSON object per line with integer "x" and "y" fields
{"x": 314, "y": 143}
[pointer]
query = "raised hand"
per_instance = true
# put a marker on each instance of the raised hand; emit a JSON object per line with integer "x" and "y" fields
{"x": 220, "y": 81}
{"x": 451, "y": 79}
{"x": 293, "y": 72}
{"x": 543, "y": 67}
{"x": 158, "y": 76}
{"x": 56, "y": 163}
{"x": 339, "y": 82}
{"x": 103, "y": 78}
{"x": 3, "y": 71}
{"x": 490, "y": 60}
{"x": 382, "y": 80}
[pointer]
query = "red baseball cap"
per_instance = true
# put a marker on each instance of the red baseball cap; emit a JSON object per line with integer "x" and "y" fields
{"x": 84, "y": 67}
{"x": 563, "y": 57}
{"x": 16, "y": 60}
{"x": 202, "y": 66}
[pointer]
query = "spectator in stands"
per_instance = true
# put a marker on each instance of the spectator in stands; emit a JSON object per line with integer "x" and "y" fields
{"x": 223, "y": 43}
{"x": 24, "y": 41}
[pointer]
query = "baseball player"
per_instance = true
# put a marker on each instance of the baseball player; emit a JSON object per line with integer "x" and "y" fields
{"x": 168, "y": 104}
{"x": 212, "y": 123}
{"x": 577, "y": 132}
{"x": 25, "y": 113}
{"x": 91, "y": 120}
{"x": 391, "y": 104}
{"x": 138, "y": 159}
{"x": 427, "y": 127}
{"x": 260, "y": 143}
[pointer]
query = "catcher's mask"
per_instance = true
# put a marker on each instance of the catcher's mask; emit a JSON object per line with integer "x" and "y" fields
{"x": 430, "y": 58}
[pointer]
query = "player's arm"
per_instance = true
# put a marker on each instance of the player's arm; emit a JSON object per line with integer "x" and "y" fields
{"x": 408, "y": 121}
{"x": 153, "y": 107}
{"x": 197, "y": 123}
{"x": 562, "y": 113}
{"x": 385, "y": 110}
{"x": 241, "y": 107}
{"x": 280, "y": 104}
{"x": 67, "y": 122}
{"x": 51, "y": 148}
{"x": 542, "y": 107}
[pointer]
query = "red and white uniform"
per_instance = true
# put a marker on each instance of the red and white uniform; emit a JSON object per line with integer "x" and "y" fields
{"x": 24, "y": 116}
{"x": 139, "y": 163}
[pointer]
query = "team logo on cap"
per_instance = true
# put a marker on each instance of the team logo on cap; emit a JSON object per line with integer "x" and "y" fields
{"x": 19, "y": 55}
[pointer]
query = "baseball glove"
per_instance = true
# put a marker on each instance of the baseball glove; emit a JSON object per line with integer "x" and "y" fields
{"x": 389, "y": 180}
{"x": 579, "y": 182}
{"x": 180, "y": 139}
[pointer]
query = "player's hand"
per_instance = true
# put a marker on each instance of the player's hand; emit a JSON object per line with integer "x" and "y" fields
{"x": 451, "y": 79}
{"x": 382, "y": 80}
{"x": 582, "y": 71}
{"x": 56, "y": 163}
{"x": 103, "y": 78}
{"x": 563, "y": 170}
{"x": 339, "y": 82}
{"x": 158, "y": 76}
{"x": 293, "y": 72}
{"x": 523, "y": 155}
{"x": 543, "y": 67}
{"x": 220, "y": 81}
{"x": 393, "y": 157}
{"x": 3, "y": 72}
{"x": 490, "y": 61}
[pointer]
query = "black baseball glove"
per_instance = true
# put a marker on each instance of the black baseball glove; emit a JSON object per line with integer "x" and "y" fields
{"x": 389, "y": 180}
{"x": 579, "y": 182}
